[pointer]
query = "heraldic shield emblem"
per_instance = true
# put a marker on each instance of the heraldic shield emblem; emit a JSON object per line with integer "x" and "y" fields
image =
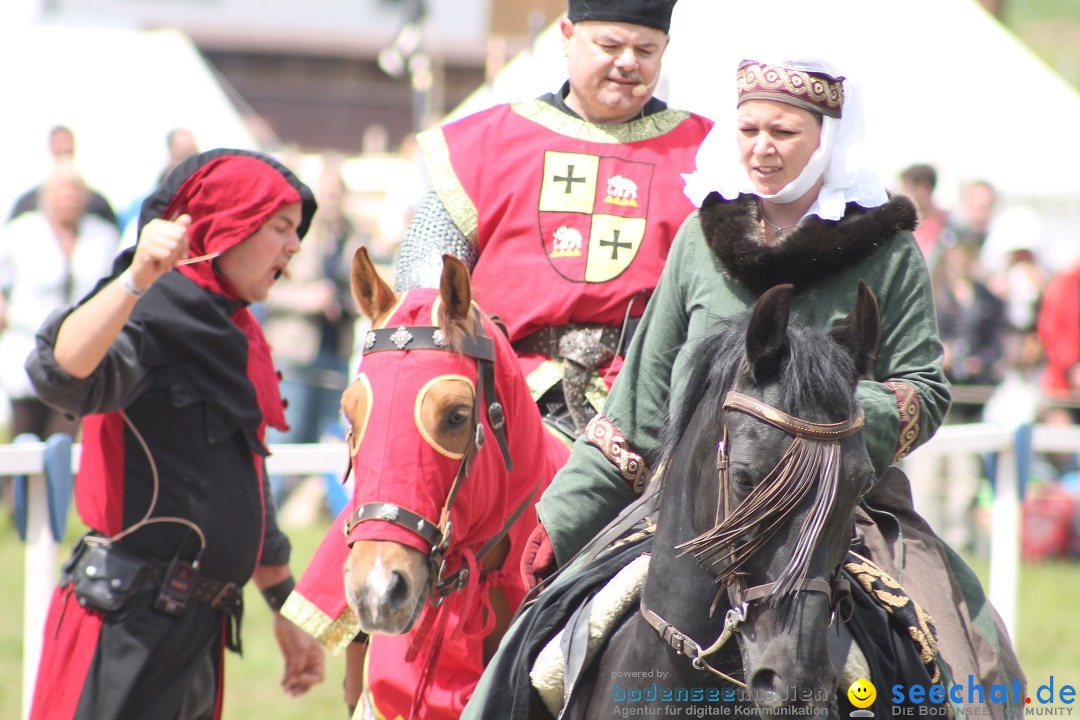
{"x": 593, "y": 212}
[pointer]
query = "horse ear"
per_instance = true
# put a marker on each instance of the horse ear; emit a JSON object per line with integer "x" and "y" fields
{"x": 766, "y": 335}
{"x": 373, "y": 296}
{"x": 455, "y": 289}
{"x": 860, "y": 332}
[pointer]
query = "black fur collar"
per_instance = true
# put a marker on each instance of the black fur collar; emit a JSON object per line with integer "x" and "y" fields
{"x": 815, "y": 250}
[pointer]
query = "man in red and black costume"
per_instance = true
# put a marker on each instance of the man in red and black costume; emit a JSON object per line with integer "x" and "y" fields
{"x": 173, "y": 379}
{"x": 564, "y": 206}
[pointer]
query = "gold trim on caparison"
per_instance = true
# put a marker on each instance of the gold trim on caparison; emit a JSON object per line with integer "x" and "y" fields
{"x": 417, "y": 413}
{"x": 335, "y": 634}
{"x": 358, "y": 435}
{"x": 437, "y": 303}
{"x": 393, "y": 311}
{"x": 367, "y": 699}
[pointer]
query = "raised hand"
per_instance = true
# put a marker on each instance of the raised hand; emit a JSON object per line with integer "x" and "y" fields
{"x": 162, "y": 244}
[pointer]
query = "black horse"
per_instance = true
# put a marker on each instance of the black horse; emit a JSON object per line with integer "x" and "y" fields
{"x": 760, "y": 483}
{"x": 738, "y": 599}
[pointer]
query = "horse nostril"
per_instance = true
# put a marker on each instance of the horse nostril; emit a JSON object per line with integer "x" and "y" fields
{"x": 766, "y": 685}
{"x": 397, "y": 591}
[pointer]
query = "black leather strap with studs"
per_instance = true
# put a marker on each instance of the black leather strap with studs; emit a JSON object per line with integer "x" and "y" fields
{"x": 391, "y": 513}
{"x": 425, "y": 337}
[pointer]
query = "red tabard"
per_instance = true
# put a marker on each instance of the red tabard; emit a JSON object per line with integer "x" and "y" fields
{"x": 571, "y": 220}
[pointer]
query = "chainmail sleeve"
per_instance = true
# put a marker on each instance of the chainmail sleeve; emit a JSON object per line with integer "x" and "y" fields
{"x": 430, "y": 235}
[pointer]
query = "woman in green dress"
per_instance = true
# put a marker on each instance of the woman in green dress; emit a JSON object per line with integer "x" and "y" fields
{"x": 788, "y": 200}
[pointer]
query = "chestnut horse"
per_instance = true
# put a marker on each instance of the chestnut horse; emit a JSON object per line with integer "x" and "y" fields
{"x": 449, "y": 454}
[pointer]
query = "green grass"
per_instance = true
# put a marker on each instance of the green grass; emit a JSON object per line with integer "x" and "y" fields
{"x": 1048, "y": 637}
{"x": 1051, "y": 28}
{"x": 1048, "y": 634}
{"x": 1041, "y": 10}
{"x": 252, "y": 689}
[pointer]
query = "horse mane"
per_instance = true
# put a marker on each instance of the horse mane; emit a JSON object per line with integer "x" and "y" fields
{"x": 815, "y": 376}
{"x": 816, "y": 381}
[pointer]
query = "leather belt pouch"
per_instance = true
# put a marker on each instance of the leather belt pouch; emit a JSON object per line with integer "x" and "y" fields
{"x": 105, "y": 576}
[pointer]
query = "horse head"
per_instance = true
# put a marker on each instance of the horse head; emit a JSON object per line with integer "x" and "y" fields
{"x": 763, "y": 477}
{"x": 438, "y": 415}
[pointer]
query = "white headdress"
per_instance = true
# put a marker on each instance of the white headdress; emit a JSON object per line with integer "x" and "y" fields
{"x": 840, "y": 154}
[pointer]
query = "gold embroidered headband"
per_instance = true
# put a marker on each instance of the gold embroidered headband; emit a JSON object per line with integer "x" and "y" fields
{"x": 813, "y": 91}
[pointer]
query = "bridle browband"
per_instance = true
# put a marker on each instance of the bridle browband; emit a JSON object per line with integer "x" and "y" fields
{"x": 839, "y": 588}
{"x": 438, "y": 535}
{"x": 792, "y": 425}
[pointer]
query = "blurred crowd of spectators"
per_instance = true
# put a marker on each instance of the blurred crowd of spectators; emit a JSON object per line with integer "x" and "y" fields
{"x": 1010, "y": 327}
{"x": 61, "y": 236}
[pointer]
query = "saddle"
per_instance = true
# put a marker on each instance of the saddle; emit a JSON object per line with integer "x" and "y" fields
{"x": 565, "y": 658}
{"x": 554, "y": 639}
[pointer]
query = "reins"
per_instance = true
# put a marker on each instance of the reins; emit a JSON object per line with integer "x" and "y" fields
{"x": 438, "y": 535}
{"x": 826, "y": 433}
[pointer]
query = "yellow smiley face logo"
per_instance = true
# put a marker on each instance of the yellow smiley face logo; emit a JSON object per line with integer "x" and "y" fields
{"x": 862, "y": 693}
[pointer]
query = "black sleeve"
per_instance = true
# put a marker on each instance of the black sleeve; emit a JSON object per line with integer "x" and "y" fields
{"x": 276, "y": 546}
{"x": 118, "y": 380}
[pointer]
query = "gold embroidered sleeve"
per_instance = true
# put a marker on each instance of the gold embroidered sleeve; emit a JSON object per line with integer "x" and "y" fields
{"x": 602, "y": 433}
{"x": 910, "y": 405}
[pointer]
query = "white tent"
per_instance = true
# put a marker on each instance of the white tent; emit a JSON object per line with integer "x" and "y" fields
{"x": 943, "y": 81}
{"x": 120, "y": 91}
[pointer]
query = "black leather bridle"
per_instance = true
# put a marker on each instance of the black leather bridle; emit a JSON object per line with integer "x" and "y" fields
{"x": 836, "y": 590}
{"x": 438, "y": 535}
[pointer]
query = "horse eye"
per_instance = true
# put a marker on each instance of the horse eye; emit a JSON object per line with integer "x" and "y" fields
{"x": 742, "y": 478}
{"x": 868, "y": 482}
{"x": 457, "y": 418}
